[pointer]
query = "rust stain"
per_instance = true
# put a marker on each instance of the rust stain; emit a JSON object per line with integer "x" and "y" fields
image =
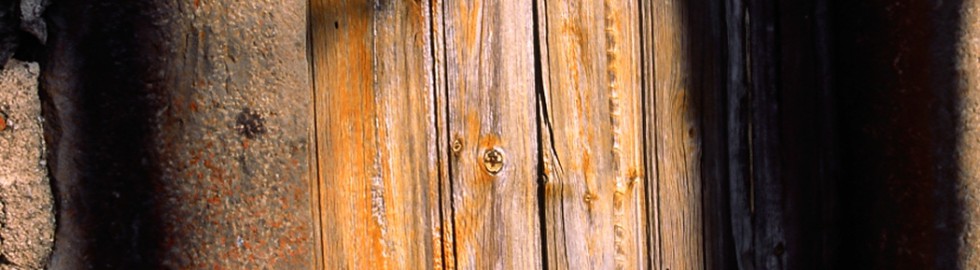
{"x": 347, "y": 101}
{"x": 472, "y": 19}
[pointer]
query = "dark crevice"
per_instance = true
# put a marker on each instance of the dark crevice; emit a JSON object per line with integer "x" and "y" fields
{"x": 648, "y": 262}
{"x": 656, "y": 143}
{"x": 444, "y": 159}
{"x": 315, "y": 211}
{"x": 449, "y": 163}
{"x": 542, "y": 114}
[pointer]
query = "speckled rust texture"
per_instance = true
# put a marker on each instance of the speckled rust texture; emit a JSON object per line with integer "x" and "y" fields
{"x": 26, "y": 208}
{"x": 232, "y": 139}
{"x": 968, "y": 154}
{"x": 182, "y": 134}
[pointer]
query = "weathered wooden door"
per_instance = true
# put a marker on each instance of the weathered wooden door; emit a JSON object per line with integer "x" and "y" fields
{"x": 496, "y": 134}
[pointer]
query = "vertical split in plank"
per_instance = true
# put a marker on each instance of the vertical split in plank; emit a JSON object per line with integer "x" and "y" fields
{"x": 595, "y": 213}
{"x": 649, "y": 107}
{"x": 490, "y": 79}
{"x": 444, "y": 229}
{"x": 678, "y": 134}
{"x": 377, "y": 149}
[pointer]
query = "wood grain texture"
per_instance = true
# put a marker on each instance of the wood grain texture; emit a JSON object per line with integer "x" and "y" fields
{"x": 377, "y": 151}
{"x": 595, "y": 214}
{"x": 655, "y": 250}
{"x": 491, "y": 105}
{"x": 767, "y": 203}
{"x": 677, "y": 138}
{"x": 708, "y": 56}
{"x": 737, "y": 114}
{"x": 445, "y": 230}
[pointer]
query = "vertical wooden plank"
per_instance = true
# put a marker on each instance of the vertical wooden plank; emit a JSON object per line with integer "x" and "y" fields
{"x": 649, "y": 107}
{"x": 737, "y": 112}
{"x": 591, "y": 125}
{"x": 494, "y": 166}
{"x": 780, "y": 135}
{"x": 377, "y": 151}
{"x": 708, "y": 55}
{"x": 445, "y": 231}
{"x": 677, "y": 137}
{"x": 314, "y": 170}
{"x": 767, "y": 184}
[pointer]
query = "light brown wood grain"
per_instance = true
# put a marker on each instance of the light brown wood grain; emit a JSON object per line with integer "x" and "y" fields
{"x": 376, "y": 138}
{"x": 676, "y": 138}
{"x": 444, "y": 230}
{"x": 595, "y": 214}
{"x": 649, "y": 137}
{"x": 491, "y": 105}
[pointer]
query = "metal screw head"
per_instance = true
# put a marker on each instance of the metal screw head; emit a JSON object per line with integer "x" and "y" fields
{"x": 493, "y": 160}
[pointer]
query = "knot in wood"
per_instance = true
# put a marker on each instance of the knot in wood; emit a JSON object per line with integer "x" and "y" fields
{"x": 493, "y": 160}
{"x": 457, "y": 146}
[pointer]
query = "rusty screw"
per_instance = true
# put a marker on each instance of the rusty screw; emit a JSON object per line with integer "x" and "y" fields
{"x": 493, "y": 160}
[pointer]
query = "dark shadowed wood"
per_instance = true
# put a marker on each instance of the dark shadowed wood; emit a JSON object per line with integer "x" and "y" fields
{"x": 780, "y": 135}
{"x": 708, "y": 55}
{"x": 767, "y": 195}
{"x": 595, "y": 213}
{"x": 376, "y": 140}
{"x": 737, "y": 113}
{"x": 493, "y": 131}
{"x": 806, "y": 137}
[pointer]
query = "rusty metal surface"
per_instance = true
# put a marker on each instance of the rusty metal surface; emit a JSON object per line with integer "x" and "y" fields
{"x": 181, "y": 135}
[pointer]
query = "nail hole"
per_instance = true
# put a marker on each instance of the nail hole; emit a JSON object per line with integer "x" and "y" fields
{"x": 336, "y": 25}
{"x": 780, "y": 249}
{"x": 250, "y": 124}
{"x": 457, "y": 146}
